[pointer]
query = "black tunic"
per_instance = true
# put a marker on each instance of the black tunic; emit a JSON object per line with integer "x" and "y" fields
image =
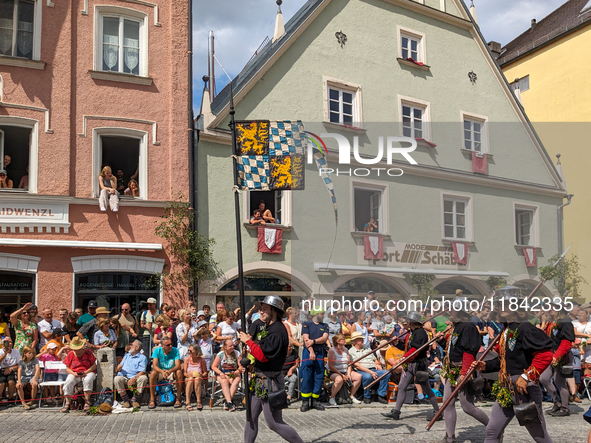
{"x": 468, "y": 340}
{"x": 565, "y": 331}
{"x": 529, "y": 340}
{"x": 274, "y": 345}
{"x": 418, "y": 338}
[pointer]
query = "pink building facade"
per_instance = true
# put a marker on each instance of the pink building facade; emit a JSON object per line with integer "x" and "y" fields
{"x": 86, "y": 84}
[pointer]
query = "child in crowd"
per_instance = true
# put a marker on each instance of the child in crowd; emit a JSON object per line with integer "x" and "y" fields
{"x": 52, "y": 353}
{"x": 205, "y": 343}
{"x": 163, "y": 329}
{"x": 28, "y": 374}
{"x": 195, "y": 371}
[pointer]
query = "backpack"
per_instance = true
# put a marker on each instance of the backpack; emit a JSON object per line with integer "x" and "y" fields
{"x": 105, "y": 396}
{"x": 164, "y": 395}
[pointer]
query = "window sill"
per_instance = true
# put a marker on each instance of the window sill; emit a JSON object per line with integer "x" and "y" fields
{"x": 268, "y": 225}
{"x": 448, "y": 241}
{"x": 520, "y": 247}
{"x": 21, "y": 62}
{"x": 426, "y": 143}
{"x": 340, "y": 127}
{"x": 120, "y": 77}
{"x": 469, "y": 152}
{"x": 361, "y": 234}
{"x": 403, "y": 61}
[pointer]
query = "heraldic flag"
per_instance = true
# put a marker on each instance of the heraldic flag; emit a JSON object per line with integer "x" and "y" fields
{"x": 270, "y": 155}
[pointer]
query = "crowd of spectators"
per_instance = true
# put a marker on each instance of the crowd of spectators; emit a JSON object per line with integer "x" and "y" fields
{"x": 153, "y": 345}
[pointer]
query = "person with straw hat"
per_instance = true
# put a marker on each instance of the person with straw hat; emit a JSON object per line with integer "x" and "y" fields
{"x": 80, "y": 366}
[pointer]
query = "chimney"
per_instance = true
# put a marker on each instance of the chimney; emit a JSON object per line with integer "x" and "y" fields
{"x": 533, "y": 23}
{"x": 279, "y": 27}
{"x": 495, "y": 48}
{"x": 473, "y": 12}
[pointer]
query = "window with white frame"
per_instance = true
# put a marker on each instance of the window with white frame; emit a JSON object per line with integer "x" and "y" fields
{"x": 368, "y": 209}
{"x": 274, "y": 206}
{"x": 411, "y": 47}
{"x": 474, "y": 136}
{"x": 122, "y": 41}
{"x": 14, "y": 157}
{"x": 525, "y": 226}
{"x": 341, "y": 106}
{"x": 413, "y": 120}
{"x": 455, "y": 218}
{"x": 17, "y": 28}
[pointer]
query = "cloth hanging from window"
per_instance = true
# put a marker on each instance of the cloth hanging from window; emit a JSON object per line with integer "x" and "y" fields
{"x": 269, "y": 240}
{"x": 530, "y": 257}
{"x": 460, "y": 253}
{"x": 373, "y": 247}
{"x": 479, "y": 163}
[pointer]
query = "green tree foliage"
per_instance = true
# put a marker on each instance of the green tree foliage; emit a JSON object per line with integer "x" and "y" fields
{"x": 190, "y": 252}
{"x": 565, "y": 276}
{"x": 424, "y": 285}
{"x": 496, "y": 282}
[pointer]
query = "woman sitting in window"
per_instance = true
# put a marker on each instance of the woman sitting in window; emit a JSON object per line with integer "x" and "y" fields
{"x": 371, "y": 226}
{"x": 108, "y": 185}
{"x": 133, "y": 189}
{"x": 5, "y": 182}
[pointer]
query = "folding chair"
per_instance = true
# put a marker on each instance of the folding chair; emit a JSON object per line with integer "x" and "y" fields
{"x": 587, "y": 382}
{"x": 215, "y": 396}
{"x": 50, "y": 365}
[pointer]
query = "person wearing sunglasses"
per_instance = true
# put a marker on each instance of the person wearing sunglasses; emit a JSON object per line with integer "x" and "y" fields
{"x": 5, "y": 182}
{"x": 166, "y": 365}
{"x": 128, "y": 331}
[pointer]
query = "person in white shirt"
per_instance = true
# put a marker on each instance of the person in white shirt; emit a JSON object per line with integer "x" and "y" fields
{"x": 227, "y": 328}
{"x": 582, "y": 327}
{"x": 46, "y": 327}
{"x": 9, "y": 362}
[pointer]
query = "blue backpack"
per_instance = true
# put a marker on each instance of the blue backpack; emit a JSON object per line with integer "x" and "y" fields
{"x": 164, "y": 395}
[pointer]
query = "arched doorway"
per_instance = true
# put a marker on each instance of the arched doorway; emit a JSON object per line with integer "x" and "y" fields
{"x": 358, "y": 287}
{"x": 257, "y": 286}
{"x": 448, "y": 288}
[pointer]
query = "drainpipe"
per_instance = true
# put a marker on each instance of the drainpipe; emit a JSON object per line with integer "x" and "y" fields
{"x": 191, "y": 135}
{"x": 560, "y": 228}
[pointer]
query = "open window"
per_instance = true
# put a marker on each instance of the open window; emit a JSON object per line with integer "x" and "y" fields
{"x": 15, "y": 143}
{"x": 526, "y": 229}
{"x": 276, "y": 202}
{"x": 370, "y": 213}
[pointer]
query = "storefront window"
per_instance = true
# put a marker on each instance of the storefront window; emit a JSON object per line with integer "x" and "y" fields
{"x": 448, "y": 288}
{"x": 358, "y": 287}
{"x": 114, "y": 289}
{"x": 15, "y": 290}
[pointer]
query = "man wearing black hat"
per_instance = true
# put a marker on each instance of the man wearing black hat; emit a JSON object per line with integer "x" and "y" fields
{"x": 268, "y": 342}
{"x": 418, "y": 337}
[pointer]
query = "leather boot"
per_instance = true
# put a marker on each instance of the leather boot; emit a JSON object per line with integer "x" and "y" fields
{"x": 316, "y": 405}
{"x": 563, "y": 412}
{"x": 554, "y": 409}
{"x": 394, "y": 414}
{"x": 305, "y": 405}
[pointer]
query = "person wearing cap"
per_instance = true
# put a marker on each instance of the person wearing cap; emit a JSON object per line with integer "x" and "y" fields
{"x": 88, "y": 329}
{"x": 464, "y": 342}
{"x": 52, "y": 354}
{"x": 131, "y": 372}
{"x": 80, "y": 366}
{"x": 416, "y": 339}
{"x": 368, "y": 367}
{"x": 314, "y": 336}
{"x": 5, "y": 182}
{"x": 562, "y": 337}
{"x": 268, "y": 343}
{"x": 524, "y": 353}
{"x": 90, "y": 315}
{"x": 46, "y": 326}
{"x": 57, "y": 337}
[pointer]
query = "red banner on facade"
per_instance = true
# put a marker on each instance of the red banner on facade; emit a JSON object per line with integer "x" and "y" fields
{"x": 269, "y": 240}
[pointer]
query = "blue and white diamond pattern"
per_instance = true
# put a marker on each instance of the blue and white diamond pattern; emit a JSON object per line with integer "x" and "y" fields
{"x": 286, "y": 137}
{"x": 254, "y": 172}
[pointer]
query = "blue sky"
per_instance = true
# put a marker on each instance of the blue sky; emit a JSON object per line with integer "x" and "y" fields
{"x": 240, "y": 26}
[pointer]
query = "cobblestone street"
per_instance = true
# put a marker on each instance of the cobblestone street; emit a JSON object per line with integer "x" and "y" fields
{"x": 346, "y": 424}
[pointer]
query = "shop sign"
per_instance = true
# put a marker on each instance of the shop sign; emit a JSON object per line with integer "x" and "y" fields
{"x": 412, "y": 255}
{"x": 18, "y": 213}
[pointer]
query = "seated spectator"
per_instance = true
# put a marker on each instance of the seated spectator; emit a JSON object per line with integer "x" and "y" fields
{"x": 166, "y": 365}
{"x": 256, "y": 218}
{"x": 46, "y": 326}
{"x": 227, "y": 328}
{"x": 185, "y": 332}
{"x": 206, "y": 344}
{"x": 24, "y": 183}
{"x": 340, "y": 371}
{"x": 290, "y": 371}
{"x": 104, "y": 337}
{"x": 195, "y": 370}
{"x": 133, "y": 189}
{"x": 52, "y": 354}
{"x": 163, "y": 329}
{"x": 435, "y": 361}
{"x": 369, "y": 368}
{"x": 266, "y": 214}
{"x": 28, "y": 373}
{"x": 80, "y": 366}
{"x": 120, "y": 176}
{"x": 4, "y": 331}
{"x": 108, "y": 187}
{"x": 131, "y": 372}
{"x": 9, "y": 361}
{"x": 5, "y": 182}
{"x": 228, "y": 369}
{"x": 57, "y": 337}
